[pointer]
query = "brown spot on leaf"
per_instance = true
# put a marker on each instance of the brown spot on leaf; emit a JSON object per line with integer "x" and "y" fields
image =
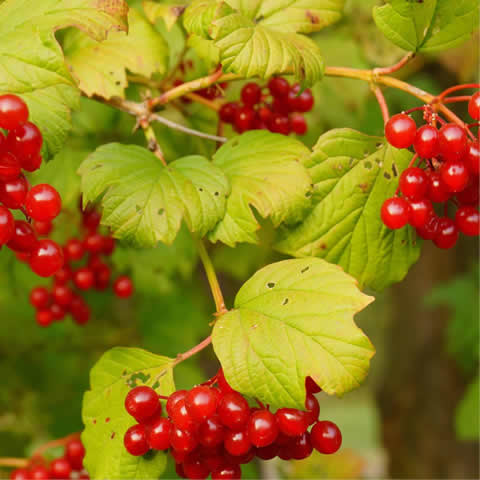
{"x": 107, "y": 419}
{"x": 112, "y": 436}
{"x": 314, "y": 20}
{"x": 178, "y": 10}
{"x": 323, "y": 246}
{"x": 363, "y": 187}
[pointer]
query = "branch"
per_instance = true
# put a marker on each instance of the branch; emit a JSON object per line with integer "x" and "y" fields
{"x": 382, "y": 103}
{"x": 181, "y": 128}
{"x": 13, "y": 462}
{"x": 396, "y": 67}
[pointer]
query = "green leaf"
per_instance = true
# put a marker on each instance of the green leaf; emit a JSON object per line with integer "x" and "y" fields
{"x": 100, "y": 67}
{"x": 31, "y": 61}
{"x": 467, "y": 417}
{"x": 144, "y": 201}
{"x": 265, "y": 172}
{"x": 106, "y": 419}
{"x": 353, "y": 174}
{"x": 293, "y": 319}
{"x": 168, "y": 12}
{"x": 262, "y": 38}
{"x": 427, "y": 26}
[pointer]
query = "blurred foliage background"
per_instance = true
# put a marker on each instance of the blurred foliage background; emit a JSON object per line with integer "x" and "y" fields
{"x": 417, "y": 414}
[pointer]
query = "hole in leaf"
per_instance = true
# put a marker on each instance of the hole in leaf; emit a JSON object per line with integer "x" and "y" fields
{"x": 200, "y": 189}
{"x": 138, "y": 208}
{"x": 309, "y": 194}
{"x": 156, "y": 385}
{"x": 217, "y": 194}
{"x": 285, "y": 301}
{"x": 368, "y": 165}
{"x": 270, "y": 284}
{"x": 304, "y": 269}
{"x": 387, "y": 175}
{"x": 394, "y": 170}
{"x": 161, "y": 211}
{"x": 118, "y": 83}
{"x": 403, "y": 242}
{"x": 379, "y": 145}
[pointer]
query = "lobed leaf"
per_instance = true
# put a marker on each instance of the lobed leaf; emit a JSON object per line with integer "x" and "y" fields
{"x": 353, "y": 174}
{"x": 427, "y": 26}
{"x": 266, "y": 173}
{"x": 293, "y": 319}
{"x": 144, "y": 202}
{"x": 100, "y": 67}
{"x": 106, "y": 419}
{"x": 31, "y": 61}
{"x": 168, "y": 12}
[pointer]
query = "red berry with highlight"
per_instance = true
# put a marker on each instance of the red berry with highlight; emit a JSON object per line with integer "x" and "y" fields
{"x": 454, "y": 175}
{"x": 46, "y": 258}
{"x": 413, "y": 183}
{"x": 24, "y": 238}
{"x": 13, "y": 111}
{"x": 279, "y": 123}
{"x": 25, "y": 140}
{"x": 237, "y": 443}
{"x": 43, "y": 202}
{"x": 230, "y": 472}
{"x": 437, "y": 190}
{"x": 123, "y": 287}
{"x": 13, "y": 192}
{"x": 279, "y": 87}
{"x": 60, "y": 469}
{"x": 400, "y": 131}
{"x": 472, "y": 158}
{"x": 251, "y": 94}
{"x": 426, "y": 141}
{"x": 182, "y": 440}
{"x": 312, "y": 408}
{"x": 474, "y": 106}
{"x": 211, "y": 432}
{"x": 234, "y": 411}
{"x": 467, "y": 220}
{"x": 135, "y": 440}
{"x": 227, "y": 112}
{"x": 395, "y": 212}
{"x": 420, "y": 212}
{"x": 142, "y": 403}
{"x": 7, "y": 225}
{"x": 244, "y": 118}
{"x": 201, "y": 402}
{"x": 326, "y": 437}
{"x": 40, "y": 298}
{"x": 84, "y": 278}
{"x": 75, "y": 453}
{"x": 10, "y": 167}
{"x": 262, "y": 428}
{"x": 291, "y": 422}
{"x": 447, "y": 233}
{"x": 428, "y": 230}
{"x": 44, "y": 317}
{"x": 452, "y": 141}
{"x": 159, "y": 433}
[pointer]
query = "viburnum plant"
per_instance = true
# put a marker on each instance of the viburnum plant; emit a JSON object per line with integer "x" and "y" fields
{"x": 351, "y": 212}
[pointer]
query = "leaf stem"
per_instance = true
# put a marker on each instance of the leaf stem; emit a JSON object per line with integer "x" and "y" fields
{"x": 13, "y": 462}
{"x": 181, "y": 128}
{"x": 193, "y": 351}
{"x": 381, "y": 102}
{"x": 212, "y": 277}
{"x": 394, "y": 68}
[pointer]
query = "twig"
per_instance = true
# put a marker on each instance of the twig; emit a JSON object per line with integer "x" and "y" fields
{"x": 13, "y": 462}
{"x": 394, "y": 68}
{"x": 190, "y": 353}
{"x": 176, "y": 126}
{"x": 381, "y": 102}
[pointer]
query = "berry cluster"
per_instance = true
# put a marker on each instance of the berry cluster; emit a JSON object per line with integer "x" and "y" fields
{"x": 447, "y": 172}
{"x": 212, "y": 430}
{"x": 20, "y": 150}
{"x": 61, "y": 468}
{"x": 84, "y": 269}
{"x": 278, "y": 107}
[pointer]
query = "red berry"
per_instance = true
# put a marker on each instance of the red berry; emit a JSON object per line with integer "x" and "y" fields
{"x": 420, "y": 212}
{"x": 20, "y": 473}
{"x": 39, "y": 472}
{"x": 44, "y": 317}
{"x": 195, "y": 469}
{"x": 400, "y": 131}
{"x": 75, "y": 453}
{"x": 135, "y": 440}
{"x": 43, "y": 202}
{"x": 304, "y": 102}
{"x": 40, "y": 298}
{"x": 173, "y": 400}
{"x": 182, "y": 440}
{"x": 108, "y": 245}
{"x": 291, "y": 422}
{"x": 326, "y": 437}
{"x": 62, "y": 295}
{"x": 7, "y": 225}
{"x": 281, "y": 105}
{"x": 302, "y": 448}
{"x": 471, "y": 194}
{"x": 211, "y": 432}
{"x": 413, "y": 183}
{"x": 447, "y": 233}
{"x": 244, "y": 118}
{"x": 452, "y": 141}
{"x": 24, "y": 238}
{"x": 73, "y": 250}
{"x": 102, "y": 277}
{"x": 9, "y": 167}
{"x": 25, "y": 140}
{"x": 311, "y": 386}
{"x": 201, "y": 402}
{"x": 278, "y": 87}
{"x": 237, "y": 443}
{"x": 46, "y": 258}
{"x": 291, "y": 100}
{"x": 223, "y": 385}
{"x": 262, "y": 428}
{"x": 13, "y": 192}
{"x": 229, "y": 472}
{"x": 79, "y": 310}
{"x": 58, "y": 313}
{"x": 123, "y": 287}
{"x": 43, "y": 228}
{"x": 426, "y": 141}
{"x": 227, "y": 112}
{"x": 180, "y": 416}
{"x": 234, "y": 411}
{"x": 264, "y": 114}
{"x": 437, "y": 190}
{"x": 31, "y": 163}
{"x": 454, "y": 175}
{"x": 467, "y": 220}
{"x": 298, "y": 124}
{"x": 142, "y": 403}
{"x": 159, "y": 433}
{"x": 93, "y": 242}
{"x": 428, "y": 231}
{"x": 251, "y": 94}
{"x": 395, "y": 212}
{"x": 269, "y": 452}
{"x": 91, "y": 219}
{"x": 60, "y": 469}
{"x": 312, "y": 408}
{"x": 279, "y": 123}
{"x": 84, "y": 278}
{"x": 63, "y": 275}
{"x": 13, "y": 111}
{"x": 473, "y": 106}
{"x": 472, "y": 158}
